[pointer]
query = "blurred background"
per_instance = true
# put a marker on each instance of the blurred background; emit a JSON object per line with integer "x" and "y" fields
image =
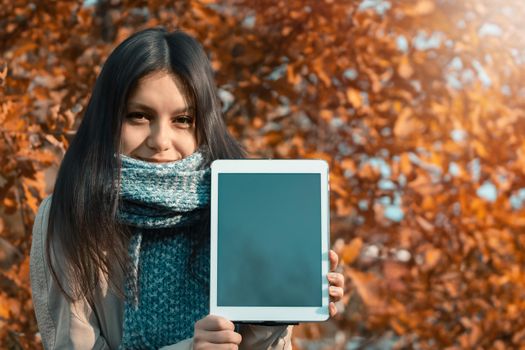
{"x": 417, "y": 105}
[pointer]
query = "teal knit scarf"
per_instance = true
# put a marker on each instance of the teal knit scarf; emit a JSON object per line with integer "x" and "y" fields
{"x": 157, "y": 195}
{"x": 163, "y": 203}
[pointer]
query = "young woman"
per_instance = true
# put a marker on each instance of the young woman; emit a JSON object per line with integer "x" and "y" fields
{"x": 120, "y": 254}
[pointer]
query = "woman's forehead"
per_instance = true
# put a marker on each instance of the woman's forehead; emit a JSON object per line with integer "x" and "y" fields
{"x": 153, "y": 83}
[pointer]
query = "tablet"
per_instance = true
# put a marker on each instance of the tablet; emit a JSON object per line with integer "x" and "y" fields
{"x": 269, "y": 240}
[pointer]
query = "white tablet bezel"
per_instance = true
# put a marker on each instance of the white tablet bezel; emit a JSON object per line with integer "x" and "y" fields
{"x": 271, "y": 314}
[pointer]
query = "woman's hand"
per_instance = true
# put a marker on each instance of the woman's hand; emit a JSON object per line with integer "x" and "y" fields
{"x": 215, "y": 332}
{"x": 336, "y": 281}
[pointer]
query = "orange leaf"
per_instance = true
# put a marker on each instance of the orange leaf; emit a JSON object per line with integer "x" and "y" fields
{"x": 404, "y": 125}
{"x": 405, "y": 164}
{"x": 351, "y": 251}
{"x": 405, "y": 69}
{"x": 354, "y": 97}
{"x": 365, "y": 284}
{"x": 342, "y": 207}
{"x": 3, "y": 74}
{"x": 398, "y": 328}
{"x": 432, "y": 257}
{"x": 480, "y": 149}
{"x": 423, "y": 7}
{"x": 4, "y": 308}
{"x": 424, "y": 224}
{"x": 349, "y": 165}
{"x": 326, "y": 114}
{"x": 320, "y": 72}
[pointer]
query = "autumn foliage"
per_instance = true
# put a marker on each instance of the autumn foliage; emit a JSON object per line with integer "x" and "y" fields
{"x": 416, "y": 105}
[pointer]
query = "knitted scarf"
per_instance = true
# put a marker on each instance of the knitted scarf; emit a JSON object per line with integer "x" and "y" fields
{"x": 157, "y": 195}
{"x": 163, "y": 203}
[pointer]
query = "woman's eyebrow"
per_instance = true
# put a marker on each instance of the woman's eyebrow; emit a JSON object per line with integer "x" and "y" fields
{"x": 187, "y": 109}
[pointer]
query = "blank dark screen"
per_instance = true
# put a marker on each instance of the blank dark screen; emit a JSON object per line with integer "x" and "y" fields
{"x": 269, "y": 240}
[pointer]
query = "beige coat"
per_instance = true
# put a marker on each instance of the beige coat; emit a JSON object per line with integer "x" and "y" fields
{"x": 65, "y": 325}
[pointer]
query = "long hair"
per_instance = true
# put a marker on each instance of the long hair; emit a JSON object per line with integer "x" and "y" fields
{"x": 83, "y": 227}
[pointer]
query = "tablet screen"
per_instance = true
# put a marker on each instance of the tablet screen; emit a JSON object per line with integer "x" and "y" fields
{"x": 269, "y": 239}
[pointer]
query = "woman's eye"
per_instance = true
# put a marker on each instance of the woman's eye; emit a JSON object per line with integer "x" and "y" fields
{"x": 185, "y": 120}
{"x": 137, "y": 116}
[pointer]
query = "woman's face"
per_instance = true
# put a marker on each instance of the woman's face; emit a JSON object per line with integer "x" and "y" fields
{"x": 159, "y": 125}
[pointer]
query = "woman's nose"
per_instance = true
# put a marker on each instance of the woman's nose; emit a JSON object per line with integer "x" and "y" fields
{"x": 159, "y": 138}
